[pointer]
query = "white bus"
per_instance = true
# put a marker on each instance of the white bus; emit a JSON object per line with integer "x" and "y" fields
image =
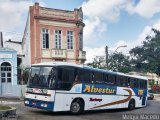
{"x": 59, "y": 86}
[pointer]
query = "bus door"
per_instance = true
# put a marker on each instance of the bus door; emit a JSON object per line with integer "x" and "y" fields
{"x": 64, "y": 83}
{"x": 144, "y": 101}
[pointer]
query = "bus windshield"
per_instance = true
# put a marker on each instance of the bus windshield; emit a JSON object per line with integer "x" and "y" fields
{"x": 42, "y": 77}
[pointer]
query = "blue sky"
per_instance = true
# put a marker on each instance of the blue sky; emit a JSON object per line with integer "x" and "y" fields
{"x": 108, "y": 22}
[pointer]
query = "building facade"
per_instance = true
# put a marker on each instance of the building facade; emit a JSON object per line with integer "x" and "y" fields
{"x": 8, "y": 73}
{"x": 53, "y": 35}
{"x": 153, "y": 78}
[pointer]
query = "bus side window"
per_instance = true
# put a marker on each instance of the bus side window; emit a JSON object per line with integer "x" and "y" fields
{"x": 65, "y": 78}
{"x": 125, "y": 81}
{"x": 118, "y": 80}
{"x": 111, "y": 79}
{"x": 142, "y": 84}
{"x": 106, "y": 78}
{"x": 84, "y": 75}
{"x": 145, "y": 84}
{"x": 76, "y": 77}
{"x": 97, "y": 77}
{"x": 131, "y": 82}
{"x": 121, "y": 81}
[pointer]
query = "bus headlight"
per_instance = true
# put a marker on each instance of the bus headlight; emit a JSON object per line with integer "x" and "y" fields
{"x": 26, "y": 102}
{"x": 42, "y": 105}
{"x": 45, "y": 105}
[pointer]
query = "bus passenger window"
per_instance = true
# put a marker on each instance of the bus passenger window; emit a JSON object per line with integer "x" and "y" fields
{"x": 145, "y": 84}
{"x": 132, "y": 82}
{"x": 97, "y": 77}
{"x": 111, "y": 79}
{"x": 65, "y": 78}
{"x": 142, "y": 84}
{"x": 125, "y": 82}
{"x": 84, "y": 75}
{"x": 122, "y": 81}
{"x": 106, "y": 78}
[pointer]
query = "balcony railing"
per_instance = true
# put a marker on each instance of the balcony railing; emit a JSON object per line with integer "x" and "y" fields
{"x": 46, "y": 53}
{"x": 59, "y": 53}
{"x": 82, "y": 55}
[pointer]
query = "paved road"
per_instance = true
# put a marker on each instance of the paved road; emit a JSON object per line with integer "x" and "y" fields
{"x": 25, "y": 113}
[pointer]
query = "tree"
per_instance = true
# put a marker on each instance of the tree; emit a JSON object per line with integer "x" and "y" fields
{"x": 119, "y": 62}
{"x": 116, "y": 62}
{"x": 146, "y": 58}
{"x": 98, "y": 62}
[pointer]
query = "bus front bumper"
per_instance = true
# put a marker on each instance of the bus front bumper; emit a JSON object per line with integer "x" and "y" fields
{"x": 45, "y": 105}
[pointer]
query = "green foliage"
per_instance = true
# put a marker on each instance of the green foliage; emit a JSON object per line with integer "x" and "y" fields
{"x": 146, "y": 58}
{"x": 116, "y": 62}
{"x": 119, "y": 62}
{"x": 98, "y": 62}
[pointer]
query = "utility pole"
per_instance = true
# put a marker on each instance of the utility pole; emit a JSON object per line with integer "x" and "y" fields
{"x": 106, "y": 51}
{"x": 1, "y": 40}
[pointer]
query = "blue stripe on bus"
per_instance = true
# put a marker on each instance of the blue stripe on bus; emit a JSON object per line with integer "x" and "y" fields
{"x": 140, "y": 92}
{"x": 38, "y": 103}
{"x": 106, "y": 89}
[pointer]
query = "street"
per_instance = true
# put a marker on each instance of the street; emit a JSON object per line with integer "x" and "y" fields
{"x": 25, "y": 113}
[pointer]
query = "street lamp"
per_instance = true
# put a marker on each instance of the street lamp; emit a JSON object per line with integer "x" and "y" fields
{"x": 106, "y": 51}
{"x": 117, "y": 49}
{"x": 120, "y": 47}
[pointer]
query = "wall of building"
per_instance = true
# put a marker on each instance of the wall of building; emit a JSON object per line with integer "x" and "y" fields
{"x": 26, "y": 50}
{"x": 16, "y": 46}
{"x": 52, "y": 19}
{"x": 10, "y": 56}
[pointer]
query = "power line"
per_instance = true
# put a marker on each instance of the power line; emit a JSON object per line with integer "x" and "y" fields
{"x": 6, "y": 30}
{"x": 13, "y": 33}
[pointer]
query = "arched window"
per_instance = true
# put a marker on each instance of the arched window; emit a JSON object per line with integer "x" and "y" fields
{"x": 6, "y": 72}
{"x": 5, "y": 64}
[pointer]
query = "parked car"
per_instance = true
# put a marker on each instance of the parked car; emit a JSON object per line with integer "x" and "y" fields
{"x": 150, "y": 96}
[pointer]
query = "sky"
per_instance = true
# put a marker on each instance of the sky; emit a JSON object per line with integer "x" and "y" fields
{"x": 111, "y": 23}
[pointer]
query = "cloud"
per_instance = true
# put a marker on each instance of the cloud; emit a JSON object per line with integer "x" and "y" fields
{"x": 13, "y": 17}
{"x": 103, "y": 9}
{"x": 97, "y": 14}
{"x": 100, "y": 51}
{"x": 13, "y": 13}
{"x": 93, "y": 52}
{"x": 147, "y": 31}
{"x": 144, "y": 8}
{"x": 94, "y": 32}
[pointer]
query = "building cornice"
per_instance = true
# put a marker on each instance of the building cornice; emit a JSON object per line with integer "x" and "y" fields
{"x": 77, "y": 22}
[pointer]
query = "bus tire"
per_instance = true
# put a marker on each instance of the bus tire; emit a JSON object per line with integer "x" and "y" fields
{"x": 131, "y": 104}
{"x": 77, "y": 107}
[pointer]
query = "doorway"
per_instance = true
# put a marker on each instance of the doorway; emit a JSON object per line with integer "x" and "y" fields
{"x": 6, "y": 78}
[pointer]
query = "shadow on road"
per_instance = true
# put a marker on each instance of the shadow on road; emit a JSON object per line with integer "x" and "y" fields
{"x": 117, "y": 111}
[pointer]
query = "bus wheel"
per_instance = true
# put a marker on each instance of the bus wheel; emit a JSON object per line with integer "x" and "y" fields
{"x": 131, "y": 104}
{"x": 77, "y": 107}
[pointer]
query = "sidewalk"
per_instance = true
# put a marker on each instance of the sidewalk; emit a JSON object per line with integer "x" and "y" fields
{"x": 14, "y": 99}
{"x": 157, "y": 97}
